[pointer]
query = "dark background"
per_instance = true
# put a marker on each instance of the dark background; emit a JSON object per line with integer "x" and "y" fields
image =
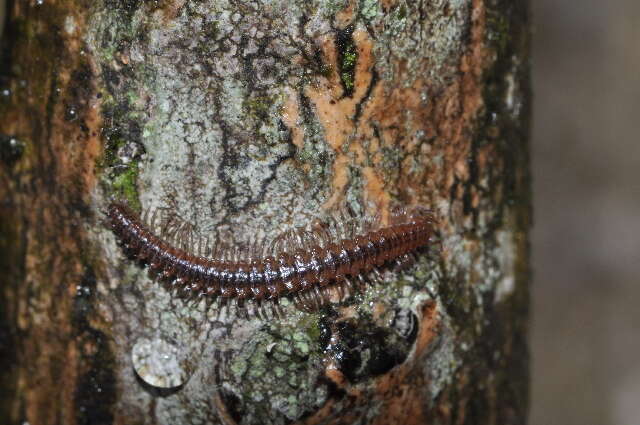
{"x": 585, "y": 328}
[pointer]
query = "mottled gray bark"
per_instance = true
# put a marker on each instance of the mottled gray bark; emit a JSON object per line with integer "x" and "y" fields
{"x": 248, "y": 117}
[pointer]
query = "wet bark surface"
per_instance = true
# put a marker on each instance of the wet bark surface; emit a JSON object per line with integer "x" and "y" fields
{"x": 246, "y": 118}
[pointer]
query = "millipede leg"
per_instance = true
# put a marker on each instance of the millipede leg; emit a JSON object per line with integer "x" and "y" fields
{"x": 278, "y": 307}
{"x": 340, "y": 288}
{"x": 362, "y": 282}
{"x": 319, "y": 297}
{"x": 274, "y": 312}
{"x": 310, "y": 300}
{"x": 194, "y": 299}
{"x": 326, "y": 295}
{"x": 209, "y": 300}
{"x": 377, "y": 274}
{"x": 349, "y": 285}
{"x": 152, "y": 221}
{"x": 241, "y": 309}
{"x": 297, "y": 302}
{"x": 145, "y": 216}
{"x": 303, "y": 305}
{"x": 257, "y": 310}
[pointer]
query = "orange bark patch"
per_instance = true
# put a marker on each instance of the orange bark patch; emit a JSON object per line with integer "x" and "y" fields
{"x": 402, "y": 391}
{"x": 387, "y": 5}
{"x": 397, "y": 118}
{"x": 171, "y": 10}
{"x": 345, "y": 17}
{"x": 336, "y": 112}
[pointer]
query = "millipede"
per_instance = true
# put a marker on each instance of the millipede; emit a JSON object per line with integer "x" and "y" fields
{"x": 302, "y": 264}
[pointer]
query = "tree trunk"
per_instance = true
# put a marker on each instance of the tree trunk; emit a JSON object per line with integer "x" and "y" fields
{"x": 247, "y": 117}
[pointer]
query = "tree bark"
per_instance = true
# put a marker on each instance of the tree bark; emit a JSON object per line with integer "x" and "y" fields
{"x": 242, "y": 117}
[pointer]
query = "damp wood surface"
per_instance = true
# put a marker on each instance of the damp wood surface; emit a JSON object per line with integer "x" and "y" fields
{"x": 253, "y": 117}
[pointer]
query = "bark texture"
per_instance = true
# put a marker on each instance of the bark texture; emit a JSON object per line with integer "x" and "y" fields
{"x": 253, "y": 116}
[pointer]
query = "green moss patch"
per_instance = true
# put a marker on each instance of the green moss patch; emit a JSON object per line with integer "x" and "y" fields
{"x": 347, "y": 59}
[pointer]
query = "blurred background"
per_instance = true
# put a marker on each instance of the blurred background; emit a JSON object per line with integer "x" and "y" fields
{"x": 585, "y": 330}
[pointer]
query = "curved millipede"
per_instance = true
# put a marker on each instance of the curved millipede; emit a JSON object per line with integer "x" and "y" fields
{"x": 320, "y": 260}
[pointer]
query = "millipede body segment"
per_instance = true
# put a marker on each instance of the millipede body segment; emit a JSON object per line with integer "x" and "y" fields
{"x": 290, "y": 270}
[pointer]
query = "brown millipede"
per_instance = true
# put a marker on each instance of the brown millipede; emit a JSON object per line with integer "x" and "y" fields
{"x": 301, "y": 265}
